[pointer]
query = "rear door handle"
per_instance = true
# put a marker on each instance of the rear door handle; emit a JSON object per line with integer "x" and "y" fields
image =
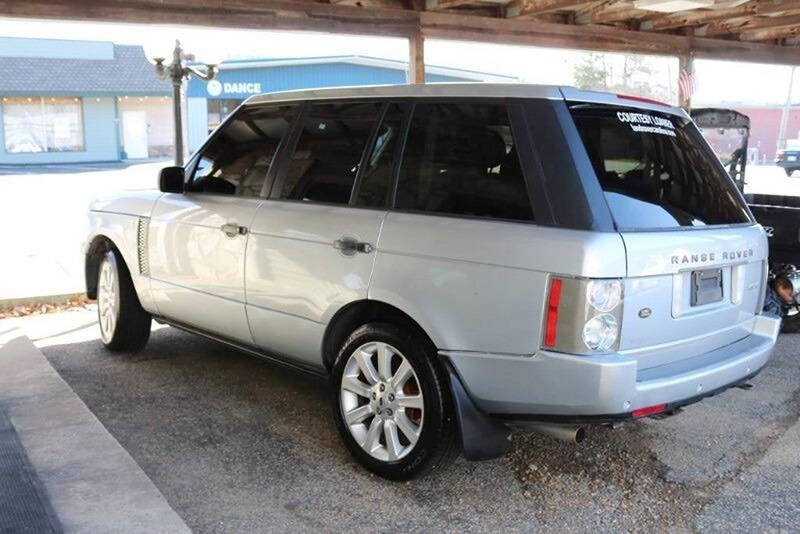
{"x": 233, "y": 229}
{"x": 349, "y": 246}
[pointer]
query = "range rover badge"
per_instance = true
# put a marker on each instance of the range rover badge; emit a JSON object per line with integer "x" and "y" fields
{"x": 644, "y": 313}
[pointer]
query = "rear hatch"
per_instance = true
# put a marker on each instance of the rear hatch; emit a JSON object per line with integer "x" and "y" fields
{"x": 695, "y": 258}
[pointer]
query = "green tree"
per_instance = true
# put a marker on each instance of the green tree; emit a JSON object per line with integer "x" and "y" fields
{"x": 592, "y": 73}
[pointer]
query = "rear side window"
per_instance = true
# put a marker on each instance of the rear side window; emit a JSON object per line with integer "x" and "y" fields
{"x": 461, "y": 159}
{"x": 327, "y": 157}
{"x": 655, "y": 169}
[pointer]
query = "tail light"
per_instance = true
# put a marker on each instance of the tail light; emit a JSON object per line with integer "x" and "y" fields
{"x": 551, "y": 328}
{"x": 583, "y": 316}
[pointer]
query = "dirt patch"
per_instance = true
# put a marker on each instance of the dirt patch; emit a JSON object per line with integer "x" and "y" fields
{"x": 79, "y": 302}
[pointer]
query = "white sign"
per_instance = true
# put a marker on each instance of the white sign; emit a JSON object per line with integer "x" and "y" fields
{"x": 214, "y": 88}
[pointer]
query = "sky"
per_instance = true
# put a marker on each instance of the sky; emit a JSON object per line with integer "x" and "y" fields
{"x": 718, "y": 82}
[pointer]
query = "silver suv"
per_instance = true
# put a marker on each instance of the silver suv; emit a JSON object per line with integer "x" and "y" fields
{"x": 458, "y": 259}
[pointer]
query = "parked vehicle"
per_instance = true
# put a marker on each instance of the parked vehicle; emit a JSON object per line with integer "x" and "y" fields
{"x": 789, "y": 159}
{"x": 458, "y": 259}
{"x": 729, "y": 132}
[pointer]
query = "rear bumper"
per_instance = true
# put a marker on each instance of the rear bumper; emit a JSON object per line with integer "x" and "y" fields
{"x": 787, "y": 164}
{"x": 579, "y": 389}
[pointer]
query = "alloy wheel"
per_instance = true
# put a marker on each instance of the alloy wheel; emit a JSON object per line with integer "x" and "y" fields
{"x": 381, "y": 401}
{"x": 107, "y": 300}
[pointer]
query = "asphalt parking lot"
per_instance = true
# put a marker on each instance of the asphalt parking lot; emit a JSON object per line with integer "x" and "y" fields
{"x": 237, "y": 444}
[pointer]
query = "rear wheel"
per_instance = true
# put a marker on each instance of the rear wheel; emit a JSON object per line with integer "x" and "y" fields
{"x": 124, "y": 324}
{"x": 392, "y": 405}
{"x": 789, "y": 171}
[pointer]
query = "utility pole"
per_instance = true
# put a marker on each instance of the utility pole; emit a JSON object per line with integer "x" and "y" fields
{"x": 787, "y": 106}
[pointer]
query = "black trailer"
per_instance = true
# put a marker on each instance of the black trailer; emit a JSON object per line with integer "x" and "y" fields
{"x": 728, "y": 132}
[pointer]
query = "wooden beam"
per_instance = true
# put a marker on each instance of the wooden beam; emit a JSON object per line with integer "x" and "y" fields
{"x": 331, "y": 18}
{"x": 246, "y": 14}
{"x": 742, "y": 24}
{"x": 698, "y": 17}
{"x": 440, "y": 5}
{"x": 616, "y": 12}
{"x": 416, "y": 59}
{"x": 537, "y": 7}
{"x": 767, "y": 34}
{"x": 389, "y": 4}
{"x": 600, "y": 38}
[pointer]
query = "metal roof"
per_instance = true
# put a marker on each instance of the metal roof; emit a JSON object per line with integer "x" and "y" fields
{"x": 127, "y": 73}
{"x": 369, "y": 61}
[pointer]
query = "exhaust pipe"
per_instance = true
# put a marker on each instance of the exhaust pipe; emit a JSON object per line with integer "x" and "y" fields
{"x": 575, "y": 434}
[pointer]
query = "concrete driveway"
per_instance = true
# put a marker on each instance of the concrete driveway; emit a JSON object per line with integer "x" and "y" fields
{"x": 236, "y": 444}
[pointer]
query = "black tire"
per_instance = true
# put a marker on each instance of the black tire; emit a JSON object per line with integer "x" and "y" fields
{"x": 791, "y": 324}
{"x": 131, "y": 328}
{"x": 789, "y": 171}
{"x": 438, "y": 442}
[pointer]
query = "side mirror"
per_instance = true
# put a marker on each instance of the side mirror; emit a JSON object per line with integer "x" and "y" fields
{"x": 170, "y": 180}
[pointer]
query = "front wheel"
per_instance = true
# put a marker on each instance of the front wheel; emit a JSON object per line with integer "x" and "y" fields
{"x": 124, "y": 324}
{"x": 392, "y": 405}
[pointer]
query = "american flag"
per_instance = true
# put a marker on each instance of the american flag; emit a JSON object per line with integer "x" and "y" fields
{"x": 687, "y": 81}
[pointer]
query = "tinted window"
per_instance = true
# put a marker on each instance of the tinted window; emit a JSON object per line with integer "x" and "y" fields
{"x": 461, "y": 159}
{"x": 655, "y": 169}
{"x": 376, "y": 180}
{"x": 328, "y": 153}
{"x": 237, "y": 159}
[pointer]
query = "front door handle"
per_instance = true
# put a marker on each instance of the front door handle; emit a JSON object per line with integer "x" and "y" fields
{"x": 233, "y": 229}
{"x": 349, "y": 246}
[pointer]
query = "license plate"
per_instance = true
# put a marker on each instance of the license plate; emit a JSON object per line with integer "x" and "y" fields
{"x": 706, "y": 286}
{"x": 791, "y": 158}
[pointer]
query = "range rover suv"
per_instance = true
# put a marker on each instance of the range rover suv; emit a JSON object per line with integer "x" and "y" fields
{"x": 458, "y": 259}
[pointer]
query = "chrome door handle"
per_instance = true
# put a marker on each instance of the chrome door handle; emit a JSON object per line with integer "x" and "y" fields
{"x": 349, "y": 246}
{"x": 233, "y": 229}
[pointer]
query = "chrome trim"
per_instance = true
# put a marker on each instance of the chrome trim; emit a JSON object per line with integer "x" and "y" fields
{"x": 142, "y": 230}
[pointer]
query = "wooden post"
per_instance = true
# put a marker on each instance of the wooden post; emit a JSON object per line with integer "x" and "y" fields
{"x": 416, "y": 59}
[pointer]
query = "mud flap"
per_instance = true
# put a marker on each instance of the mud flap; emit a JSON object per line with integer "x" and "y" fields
{"x": 482, "y": 438}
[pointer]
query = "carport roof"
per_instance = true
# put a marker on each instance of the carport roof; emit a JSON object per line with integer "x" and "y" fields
{"x": 125, "y": 72}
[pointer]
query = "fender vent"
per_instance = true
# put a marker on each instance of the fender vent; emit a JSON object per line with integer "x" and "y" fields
{"x": 141, "y": 245}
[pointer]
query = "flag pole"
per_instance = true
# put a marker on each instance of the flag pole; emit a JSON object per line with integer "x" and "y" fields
{"x": 685, "y": 80}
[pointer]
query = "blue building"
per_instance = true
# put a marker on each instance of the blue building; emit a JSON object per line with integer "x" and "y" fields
{"x": 208, "y": 103}
{"x": 80, "y": 101}
{"x": 67, "y": 101}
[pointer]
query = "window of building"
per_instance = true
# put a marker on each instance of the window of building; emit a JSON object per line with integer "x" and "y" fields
{"x": 376, "y": 180}
{"x": 42, "y": 124}
{"x": 237, "y": 160}
{"x": 461, "y": 159}
{"x": 219, "y": 109}
{"x": 328, "y": 153}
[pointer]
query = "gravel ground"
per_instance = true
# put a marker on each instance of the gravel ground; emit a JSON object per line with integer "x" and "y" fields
{"x": 237, "y": 444}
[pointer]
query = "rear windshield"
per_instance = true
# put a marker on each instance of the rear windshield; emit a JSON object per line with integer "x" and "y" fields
{"x": 655, "y": 169}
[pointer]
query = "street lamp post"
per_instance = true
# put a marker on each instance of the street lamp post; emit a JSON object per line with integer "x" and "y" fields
{"x": 177, "y": 72}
